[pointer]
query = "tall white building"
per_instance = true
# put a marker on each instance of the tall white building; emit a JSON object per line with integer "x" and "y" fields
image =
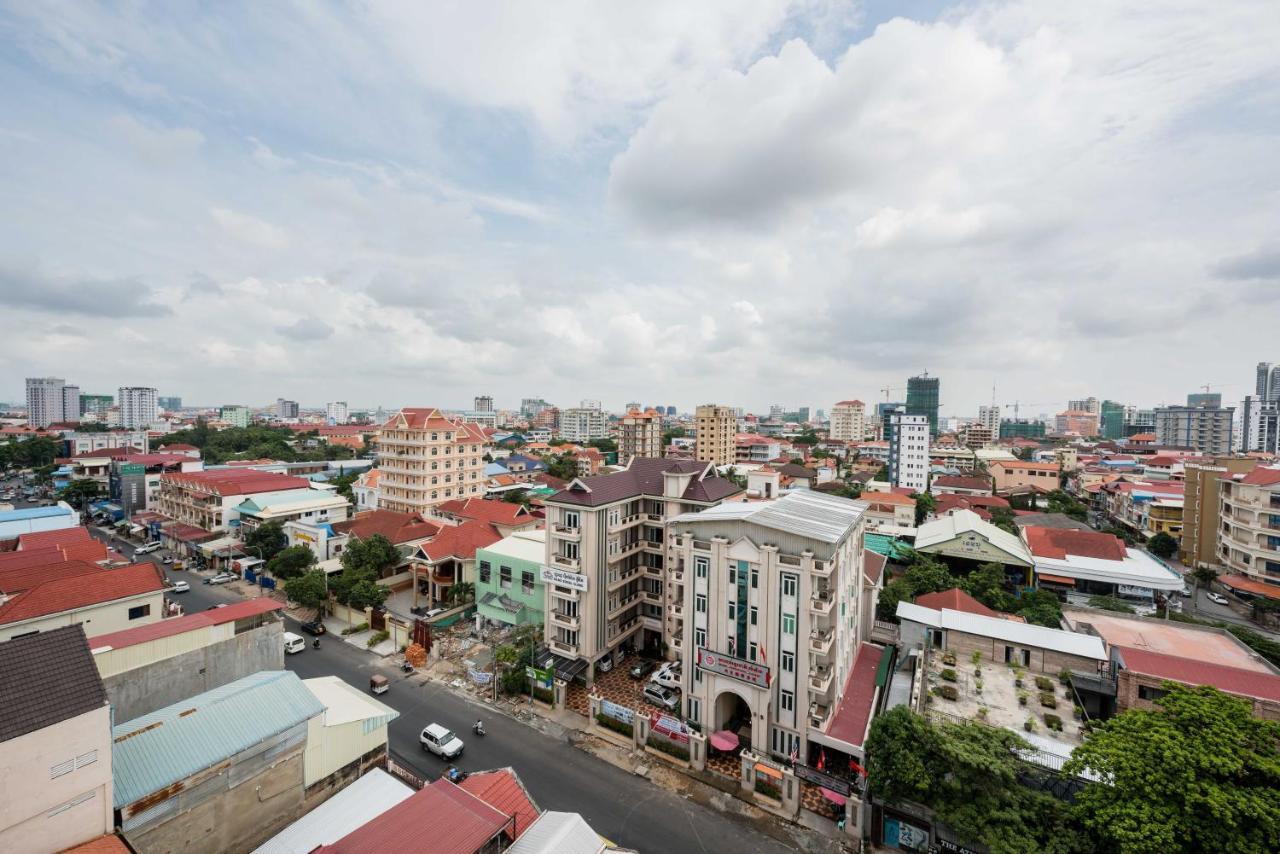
{"x": 909, "y": 450}
{"x": 483, "y": 403}
{"x": 47, "y": 401}
{"x": 337, "y": 412}
{"x": 286, "y": 408}
{"x": 139, "y": 406}
{"x": 849, "y": 421}
{"x": 582, "y": 424}
{"x": 989, "y": 417}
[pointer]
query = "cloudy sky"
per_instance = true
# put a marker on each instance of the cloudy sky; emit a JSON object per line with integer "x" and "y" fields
{"x": 747, "y": 202}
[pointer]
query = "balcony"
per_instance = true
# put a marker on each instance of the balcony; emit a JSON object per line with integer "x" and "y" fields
{"x": 818, "y": 715}
{"x": 651, "y": 597}
{"x": 820, "y": 680}
{"x": 615, "y": 633}
{"x": 622, "y": 604}
{"x": 625, "y": 521}
{"x": 677, "y": 576}
{"x": 567, "y": 532}
{"x": 566, "y": 620}
{"x": 821, "y": 641}
{"x": 568, "y": 562}
{"x": 567, "y": 650}
{"x": 677, "y": 642}
{"x": 617, "y": 581}
{"x": 677, "y": 609}
{"x": 822, "y": 568}
{"x": 821, "y": 603}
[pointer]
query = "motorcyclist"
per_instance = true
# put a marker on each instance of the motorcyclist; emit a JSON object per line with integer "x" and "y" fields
{"x": 478, "y": 726}
{"x": 315, "y": 644}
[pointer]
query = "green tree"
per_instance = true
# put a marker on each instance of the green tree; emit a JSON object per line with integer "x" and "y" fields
{"x": 516, "y": 496}
{"x": 604, "y": 446}
{"x": 308, "y": 590}
{"x": 1162, "y": 545}
{"x": 1123, "y": 533}
{"x": 1002, "y": 518}
{"x": 925, "y": 504}
{"x": 1200, "y": 773}
{"x": 266, "y": 540}
{"x": 79, "y": 493}
{"x": 366, "y": 593}
{"x": 461, "y": 591}
{"x": 291, "y": 562}
{"x": 370, "y": 555}
{"x": 343, "y": 483}
{"x": 672, "y": 433}
{"x": 986, "y": 583}
{"x": 1061, "y": 502}
{"x": 1040, "y": 607}
{"x": 927, "y": 574}
{"x": 897, "y": 590}
{"x": 1110, "y": 603}
{"x": 563, "y": 465}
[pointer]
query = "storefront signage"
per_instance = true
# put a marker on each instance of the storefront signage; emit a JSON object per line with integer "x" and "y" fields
{"x": 542, "y": 678}
{"x": 132, "y": 468}
{"x": 618, "y": 713}
{"x": 953, "y": 848}
{"x": 823, "y": 779}
{"x": 672, "y": 728}
{"x": 1130, "y": 590}
{"x": 899, "y": 834}
{"x": 564, "y": 578}
{"x": 735, "y": 668}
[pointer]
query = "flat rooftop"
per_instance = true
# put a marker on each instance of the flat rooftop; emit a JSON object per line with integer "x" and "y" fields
{"x": 1169, "y": 638}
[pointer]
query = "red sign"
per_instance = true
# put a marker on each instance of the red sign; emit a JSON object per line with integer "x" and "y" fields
{"x": 735, "y": 668}
{"x": 672, "y": 728}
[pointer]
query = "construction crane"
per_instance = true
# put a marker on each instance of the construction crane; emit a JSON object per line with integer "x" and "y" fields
{"x": 1017, "y": 404}
{"x": 888, "y": 389}
{"x": 1208, "y": 386}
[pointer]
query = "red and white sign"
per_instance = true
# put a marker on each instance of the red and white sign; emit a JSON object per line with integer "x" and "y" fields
{"x": 672, "y": 728}
{"x": 735, "y": 668}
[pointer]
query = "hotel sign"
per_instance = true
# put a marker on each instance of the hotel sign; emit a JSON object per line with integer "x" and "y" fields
{"x": 735, "y": 668}
{"x": 564, "y": 578}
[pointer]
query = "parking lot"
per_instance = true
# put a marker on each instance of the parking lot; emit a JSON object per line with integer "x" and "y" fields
{"x": 616, "y": 686}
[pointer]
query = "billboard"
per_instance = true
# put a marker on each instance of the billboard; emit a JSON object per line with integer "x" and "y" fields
{"x": 564, "y": 578}
{"x": 750, "y": 672}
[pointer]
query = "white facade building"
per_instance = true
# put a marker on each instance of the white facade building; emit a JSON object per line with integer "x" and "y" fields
{"x": 582, "y": 424}
{"x": 138, "y": 406}
{"x": 989, "y": 417}
{"x": 47, "y": 401}
{"x": 909, "y": 451}
{"x": 849, "y": 421}
{"x": 336, "y": 412}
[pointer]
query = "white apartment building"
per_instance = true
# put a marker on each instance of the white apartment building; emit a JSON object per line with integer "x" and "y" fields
{"x": 336, "y": 412}
{"x": 427, "y": 459}
{"x": 640, "y": 435}
{"x": 849, "y": 421}
{"x": 717, "y": 431}
{"x": 1249, "y": 528}
{"x": 582, "y": 424}
{"x": 989, "y": 417}
{"x": 138, "y": 406}
{"x": 50, "y": 401}
{"x": 84, "y": 443}
{"x": 606, "y": 551}
{"x": 773, "y": 606}
{"x": 909, "y": 451}
{"x": 1207, "y": 429}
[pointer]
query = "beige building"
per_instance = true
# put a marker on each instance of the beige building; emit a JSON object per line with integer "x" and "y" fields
{"x": 101, "y": 601}
{"x": 1010, "y": 475}
{"x": 1249, "y": 532}
{"x": 606, "y": 550}
{"x": 1201, "y": 507}
{"x": 427, "y": 459}
{"x": 55, "y": 744}
{"x": 849, "y": 421}
{"x": 640, "y": 435}
{"x": 208, "y": 499}
{"x": 717, "y": 429}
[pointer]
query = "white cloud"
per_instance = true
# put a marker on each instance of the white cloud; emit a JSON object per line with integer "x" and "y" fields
{"x": 250, "y": 229}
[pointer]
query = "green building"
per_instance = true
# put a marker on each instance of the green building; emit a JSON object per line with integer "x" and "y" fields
{"x": 93, "y": 407}
{"x": 1111, "y": 416}
{"x": 1021, "y": 429}
{"x": 236, "y": 416}
{"x": 509, "y": 586}
{"x": 922, "y": 399}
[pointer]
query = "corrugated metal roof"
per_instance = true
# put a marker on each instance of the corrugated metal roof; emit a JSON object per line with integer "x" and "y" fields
{"x": 1026, "y": 634}
{"x": 172, "y": 743}
{"x": 947, "y": 528}
{"x": 805, "y": 513}
{"x": 558, "y": 833}
{"x": 361, "y": 802}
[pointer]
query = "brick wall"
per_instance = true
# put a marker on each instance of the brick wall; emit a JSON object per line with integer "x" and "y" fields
{"x": 1128, "y": 683}
{"x": 1044, "y": 661}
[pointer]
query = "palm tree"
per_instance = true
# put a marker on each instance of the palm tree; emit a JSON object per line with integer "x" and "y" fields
{"x": 462, "y": 591}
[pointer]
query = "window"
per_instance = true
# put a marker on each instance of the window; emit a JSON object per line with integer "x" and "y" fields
{"x": 788, "y": 624}
{"x": 485, "y": 571}
{"x": 699, "y": 637}
{"x": 732, "y": 649}
{"x": 700, "y": 565}
{"x": 571, "y": 518}
{"x": 755, "y": 579}
{"x": 700, "y": 603}
{"x": 569, "y": 550}
{"x": 789, "y": 584}
{"x": 788, "y": 662}
{"x": 755, "y": 612}
{"x": 1146, "y": 692}
{"x": 137, "y": 612}
{"x": 695, "y": 709}
{"x": 732, "y": 612}
{"x": 733, "y": 576}
{"x": 504, "y": 577}
{"x": 751, "y": 651}
{"x": 786, "y": 701}
{"x": 526, "y": 582}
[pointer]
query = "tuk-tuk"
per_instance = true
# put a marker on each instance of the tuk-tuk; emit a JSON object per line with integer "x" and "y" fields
{"x": 378, "y": 684}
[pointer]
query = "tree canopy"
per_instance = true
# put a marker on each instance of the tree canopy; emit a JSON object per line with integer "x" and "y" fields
{"x": 925, "y": 504}
{"x": 1061, "y": 502}
{"x": 1162, "y": 545}
{"x": 1200, "y": 773}
{"x": 308, "y": 590}
{"x": 266, "y": 540}
{"x": 363, "y": 562}
{"x": 79, "y": 493}
{"x": 29, "y": 453}
{"x": 257, "y": 442}
{"x": 1002, "y": 518}
{"x": 563, "y": 465}
{"x": 290, "y": 562}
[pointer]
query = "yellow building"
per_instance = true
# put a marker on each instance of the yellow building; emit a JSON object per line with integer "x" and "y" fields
{"x": 717, "y": 428}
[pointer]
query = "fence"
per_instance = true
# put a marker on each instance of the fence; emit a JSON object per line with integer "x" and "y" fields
{"x": 400, "y": 769}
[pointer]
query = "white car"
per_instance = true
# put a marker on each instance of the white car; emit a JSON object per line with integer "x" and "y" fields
{"x": 147, "y": 548}
{"x": 220, "y": 578}
{"x": 180, "y": 587}
{"x": 1218, "y": 598}
{"x": 440, "y": 741}
{"x": 660, "y": 696}
{"x": 668, "y": 676}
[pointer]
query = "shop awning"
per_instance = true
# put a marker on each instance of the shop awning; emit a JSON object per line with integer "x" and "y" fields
{"x": 768, "y": 770}
{"x": 566, "y": 669}
{"x": 723, "y": 740}
{"x": 1244, "y": 584}
{"x": 223, "y": 546}
{"x": 835, "y": 797}
{"x": 1056, "y": 579}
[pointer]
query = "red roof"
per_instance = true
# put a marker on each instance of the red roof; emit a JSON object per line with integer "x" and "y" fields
{"x": 1250, "y": 585}
{"x": 1059, "y": 542}
{"x": 178, "y": 447}
{"x": 1233, "y": 680}
{"x": 108, "y": 844}
{"x": 956, "y": 600}
{"x": 15, "y": 580}
{"x": 1262, "y": 476}
{"x": 873, "y": 565}
{"x": 415, "y": 418}
{"x": 440, "y": 818}
{"x": 396, "y": 527}
{"x": 43, "y": 539}
{"x": 66, "y": 594}
{"x": 849, "y": 724}
{"x": 503, "y": 791}
{"x": 962, "y": 482}
{"x": 235, "y": 481}
{"x": 108, "y": 452}
{"x": 187, "y": 533}
{"x": 497, "y": 512}
{"x": 189, "y": 623}
{"x": 460, "y": 541}
{"x": 849, "y": 403}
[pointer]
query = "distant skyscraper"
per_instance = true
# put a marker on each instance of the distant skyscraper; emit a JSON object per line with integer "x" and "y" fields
{"x": 848, "y": 421}
{"x": 138, "y": 406}
{"x": 484, "y": 403}
{"x": 909, "y": 450}
{"x": 671, "y": 411}
{"x": 922, "y": 399}
{"x": 775, "y": 412}
{"x": 1111, "y": 420}
{"x": 70, "y": 403}
{"x": 46, "y": 401}
{"x": 94, "y": 407}
{"x": 1205, "y": 400}
{"x": 989, "y": 417}
{"x": 336, "y": 412}
{"x": 1267, "y": 384}
{"x": 286, "y": 408}
{"x": 531, "y": 406}
{"x": 170, "y": 404}
{"x": 1207, "y": 429}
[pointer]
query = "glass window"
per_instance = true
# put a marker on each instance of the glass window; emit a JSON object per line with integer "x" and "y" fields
{"x": 755, "y": 613}
{"x": 786, "y": 701}
{"x": 788, "y": 662}
{"x": 526, "y": 581}
{"x": 139, "y": 611}
{"x": 751, "y": 651}
{"x": 755, "y": 579}
{"x": 570, "y": 550}
{"x": 788, "y": 624}
{"x": 700, "y": 603}
{"x": 789, "y": 585}
{"x": 485, "y": 571}
{"x": 700, "y": 565}
{"x": 732, "y": 612}
{"x": 733, "y": 576}
{"x": 504, "y": 577}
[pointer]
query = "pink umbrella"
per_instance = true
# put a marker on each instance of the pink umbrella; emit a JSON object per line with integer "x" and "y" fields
{"x": 723, "y": 740}
{"x": 835, "y": 797}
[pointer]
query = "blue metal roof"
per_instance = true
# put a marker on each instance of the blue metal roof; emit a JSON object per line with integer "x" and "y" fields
{"x": 34, "y": 513}
{"x": 177, "y": 741}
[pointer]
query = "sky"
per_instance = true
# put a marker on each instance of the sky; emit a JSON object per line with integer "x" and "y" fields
{"x": 745, "y": 202}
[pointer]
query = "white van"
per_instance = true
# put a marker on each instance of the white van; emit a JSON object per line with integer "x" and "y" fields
{"x": 294, "y": 643}
{"x": 147, "y": 548}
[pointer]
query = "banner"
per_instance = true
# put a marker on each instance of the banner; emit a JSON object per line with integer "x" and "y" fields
{"x": 479, "y": 677}
{"x": 672, "y": 728}
{"x": 563, "y": 578}
{"x": 541, "y": 678}
{"x": 618, "y": 713}
{"x": 735, "y": 668}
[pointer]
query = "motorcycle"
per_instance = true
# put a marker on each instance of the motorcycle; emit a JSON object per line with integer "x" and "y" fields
{"x": 478, "y": 728}
{"x": 315, "y": 644}
{"x": 406, "y": 667}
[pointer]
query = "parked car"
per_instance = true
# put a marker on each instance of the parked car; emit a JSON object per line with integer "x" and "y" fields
{"x": 294, "y": 643}
{"x": 168, "y": 559}
{"x": 1218, "y": 598}
{"x": 668, "y": 676}
{"x": 147, "y": 548}
{"x": 440, "y": 741}
{"x": 659, "y": 696}
{"x": 605, "y": 664}
{"x": 220, "y": 578}
{"x": 180, "y": 587}
{"x": 642, "y": 668}
{"x": 314, "y": 627}
{"x": 434, "y": 612}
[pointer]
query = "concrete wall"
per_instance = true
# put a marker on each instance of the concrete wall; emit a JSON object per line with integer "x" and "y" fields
{"x": 144, "y": 689}
{"x": 100, "y": 619}
{"x": 29, "y": 792}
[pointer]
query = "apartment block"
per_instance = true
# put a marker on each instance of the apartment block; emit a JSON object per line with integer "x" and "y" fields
{"x": 48, "y": 399}
{"x": 236, "y": 416}
{"x": 1204, "y": 428}
{"x": 170, "y": 404}
{"x": 909, "y": 451}
{"x": 138, "y": 406}
{"x": 1201, "y": 508}
{"x": 336, "y": 412}
{"x": 582, "y": 424}
{"x": 717, "y": 428}
{"x": 849, "y": 421}
{"x": 93, "y": 407}
{"x": 1249, "y": 529}
{"x": 640, "y": 435}
{"x": 605, "y": 555}
{"x": 208, "y": 500}
{"x": 427, "y": 459}
{"x": 286, "y": 408}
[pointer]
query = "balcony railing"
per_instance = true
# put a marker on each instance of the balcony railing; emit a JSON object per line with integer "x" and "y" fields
{"x": 820, "y": 679}
{"x": 562, "y": 560}
{"x": 563, "y": 648}
{"x": 821, "y": 602}
{"x": 821, "y": 641}
{"x": 818, "y": 714}
{"x": 567, "y": 620}
{"x": 822, "y": 568}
